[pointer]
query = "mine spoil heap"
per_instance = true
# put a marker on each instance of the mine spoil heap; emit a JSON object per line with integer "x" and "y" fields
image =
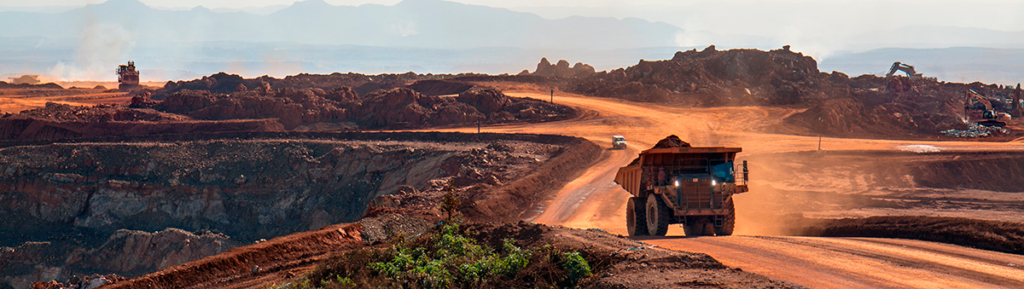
{"x": 838, "y": 105}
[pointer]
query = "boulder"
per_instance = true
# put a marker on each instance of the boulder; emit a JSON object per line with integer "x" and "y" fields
{"x": 485, "y": 99}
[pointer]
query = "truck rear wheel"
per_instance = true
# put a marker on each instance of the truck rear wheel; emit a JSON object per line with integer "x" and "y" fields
{"x": 658, "y": 215}
{"x": 636, "y": 217}
{"x": 729, "y": 223}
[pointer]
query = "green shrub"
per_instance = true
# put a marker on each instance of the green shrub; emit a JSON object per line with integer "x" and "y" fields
{"x": 577, "y": 266}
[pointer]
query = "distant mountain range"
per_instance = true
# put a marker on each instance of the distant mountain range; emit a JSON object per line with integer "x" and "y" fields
{"x": 428, "y": 36}
{"x": 410, "y": 23}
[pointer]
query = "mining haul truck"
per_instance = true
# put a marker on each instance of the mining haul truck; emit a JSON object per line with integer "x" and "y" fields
{"x": 691, "y": 186}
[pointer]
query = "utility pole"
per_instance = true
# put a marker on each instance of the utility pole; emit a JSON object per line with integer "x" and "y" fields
{"x": 819, "y": 134}
{"x": 478, "y": 125}
{"x": 552, "y": 95}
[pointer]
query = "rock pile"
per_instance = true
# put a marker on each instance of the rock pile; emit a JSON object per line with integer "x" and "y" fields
{"x": 862, "y": 106}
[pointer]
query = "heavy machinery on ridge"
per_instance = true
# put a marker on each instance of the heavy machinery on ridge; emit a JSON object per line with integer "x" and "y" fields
{"x": 674, "y": 183}
{"x": 989, "y": 116}
{"x": 127, "y": 76}
{"x": 906, "y": 68}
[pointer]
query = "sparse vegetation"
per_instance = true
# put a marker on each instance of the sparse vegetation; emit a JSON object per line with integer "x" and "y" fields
{"x": 448, "y": 257}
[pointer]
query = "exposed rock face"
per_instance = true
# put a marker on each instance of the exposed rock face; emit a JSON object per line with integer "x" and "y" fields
{"x": 88, "y": 282}
{"x": 95, "y": 202}
{"x": 126, "y": 252}
{"x": 246, "y": 189}
{"x": 139, "y": 252}
{"x": 60, "y": 121}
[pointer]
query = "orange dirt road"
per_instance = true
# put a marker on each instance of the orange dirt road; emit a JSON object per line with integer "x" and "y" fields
{"x": 593, "y": 200}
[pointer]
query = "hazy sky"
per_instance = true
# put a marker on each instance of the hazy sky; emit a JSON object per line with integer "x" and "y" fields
{"x": 820, "y": 28}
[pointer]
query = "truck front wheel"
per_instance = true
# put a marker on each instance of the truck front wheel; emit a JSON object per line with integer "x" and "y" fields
{"x": 658, "y": 215}
{"x": 636, "y": 217}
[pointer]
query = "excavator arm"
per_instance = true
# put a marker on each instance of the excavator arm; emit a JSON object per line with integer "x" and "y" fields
{"x": 973, "y": 95}
{"x": 906, "y": 68}
{"x": 990, "y": 116}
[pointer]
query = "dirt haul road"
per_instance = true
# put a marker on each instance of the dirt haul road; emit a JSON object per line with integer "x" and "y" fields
{"x": 594, "y": 201}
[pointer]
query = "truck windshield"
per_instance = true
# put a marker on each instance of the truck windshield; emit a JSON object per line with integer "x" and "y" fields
{"x": 724, "y": 172}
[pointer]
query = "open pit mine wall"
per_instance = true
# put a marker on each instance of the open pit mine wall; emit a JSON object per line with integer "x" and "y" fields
{"x": 247, "y": 186}
{"x": 34, "y": 128}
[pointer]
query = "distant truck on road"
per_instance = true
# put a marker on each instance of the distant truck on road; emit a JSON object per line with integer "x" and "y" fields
{"x": 618, "y": 142}
{"x": 674, "y": 183}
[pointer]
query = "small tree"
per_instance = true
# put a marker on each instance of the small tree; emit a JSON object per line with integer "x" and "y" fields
{"x": 450, "y": 204}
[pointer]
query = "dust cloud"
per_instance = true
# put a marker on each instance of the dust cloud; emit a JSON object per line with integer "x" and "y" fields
{"x": 791, "y": 193}
{"x": 101, "y": 47}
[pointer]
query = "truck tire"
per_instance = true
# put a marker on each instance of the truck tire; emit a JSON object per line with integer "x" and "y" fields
{"x": 636, "y": 217}
{"x": 729, "y": 223}
{"x": 658, "y": 215}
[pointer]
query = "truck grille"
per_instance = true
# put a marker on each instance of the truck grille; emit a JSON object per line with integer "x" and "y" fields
{"x": 698, "y": 195}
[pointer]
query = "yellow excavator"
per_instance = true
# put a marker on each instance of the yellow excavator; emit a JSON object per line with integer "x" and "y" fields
{"x": 990, "y": 117}
{"x": 906, "y": 68}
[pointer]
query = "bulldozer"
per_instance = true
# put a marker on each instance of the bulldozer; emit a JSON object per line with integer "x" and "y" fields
{"x": 989, "y": 117}
{"x": 906, "y": 68}
{"x": 127, "y": 76}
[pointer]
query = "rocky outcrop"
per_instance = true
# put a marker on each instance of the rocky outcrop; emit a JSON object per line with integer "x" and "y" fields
{"x": 403, "y": 107}
{"x": 224, "y": 83}
{"x": 291, "y": 107}
{"x": 862, "y": 106}
{"x": 387, "y": 108}
{"x": 487, "y": 100}
{"x": 712, "y": 78}
{"x": 562, "y": 69}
